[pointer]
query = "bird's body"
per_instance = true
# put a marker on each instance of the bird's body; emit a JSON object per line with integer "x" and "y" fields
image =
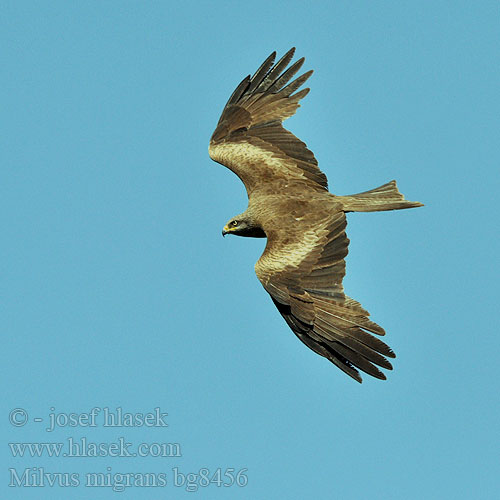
{"x": 303, "y": 265}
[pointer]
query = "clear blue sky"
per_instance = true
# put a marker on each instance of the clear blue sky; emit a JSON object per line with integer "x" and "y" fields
{"x": 118, "y": 290}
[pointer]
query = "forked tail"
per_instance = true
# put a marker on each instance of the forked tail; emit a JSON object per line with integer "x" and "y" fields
{"x": 386, "y": 197}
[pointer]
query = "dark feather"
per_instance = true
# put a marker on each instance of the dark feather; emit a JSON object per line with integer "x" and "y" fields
{"x": 276, "y": 71}
{"x": 260, "y": 74}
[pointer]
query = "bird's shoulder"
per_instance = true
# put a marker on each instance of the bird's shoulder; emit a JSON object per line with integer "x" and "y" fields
{"x": 296, "y": 227}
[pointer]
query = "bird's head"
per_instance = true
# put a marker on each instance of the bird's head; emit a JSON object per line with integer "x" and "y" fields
{"x": 242, "y": 225}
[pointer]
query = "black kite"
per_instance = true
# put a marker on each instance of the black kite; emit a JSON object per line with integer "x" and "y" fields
{"x": 303, "y": 265}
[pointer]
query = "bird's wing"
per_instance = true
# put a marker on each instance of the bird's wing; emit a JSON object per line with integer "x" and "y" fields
{"x": 303, "y": 274}
{"x": 249, "y": 138}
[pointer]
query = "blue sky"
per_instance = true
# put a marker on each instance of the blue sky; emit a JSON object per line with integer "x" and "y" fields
{"x": 118, "y": 290}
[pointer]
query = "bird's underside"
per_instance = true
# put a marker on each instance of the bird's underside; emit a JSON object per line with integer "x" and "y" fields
{"x": 303, "y": 265}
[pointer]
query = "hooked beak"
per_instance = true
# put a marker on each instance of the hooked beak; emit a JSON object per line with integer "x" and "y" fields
{"x": 225, "y": 230}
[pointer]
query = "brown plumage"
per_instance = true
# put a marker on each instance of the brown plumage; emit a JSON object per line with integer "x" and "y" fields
{"x": 303, "y": 265}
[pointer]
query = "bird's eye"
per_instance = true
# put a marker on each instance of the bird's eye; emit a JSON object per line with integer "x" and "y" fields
{"x": 234, "y": 223}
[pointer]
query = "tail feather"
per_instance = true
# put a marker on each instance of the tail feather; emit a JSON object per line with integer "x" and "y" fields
{"x": 386, "y": 197}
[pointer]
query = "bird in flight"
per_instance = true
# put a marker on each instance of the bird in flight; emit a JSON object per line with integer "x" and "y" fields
{"x": 303, "y": 265}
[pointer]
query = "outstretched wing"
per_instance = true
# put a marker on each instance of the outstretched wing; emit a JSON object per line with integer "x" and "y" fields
{"x": 303, "y": 275}
{"x": 249, "y": 138}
